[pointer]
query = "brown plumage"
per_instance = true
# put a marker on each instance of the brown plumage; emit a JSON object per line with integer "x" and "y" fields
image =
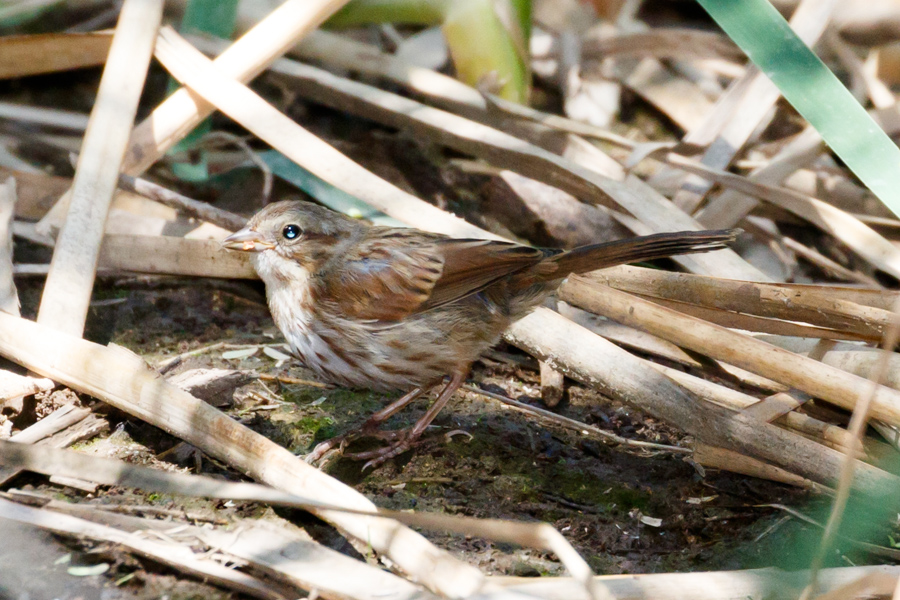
{"x": 392, "y": 308}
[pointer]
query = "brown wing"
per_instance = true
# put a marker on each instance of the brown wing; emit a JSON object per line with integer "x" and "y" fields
{"x": 393, "y": 273}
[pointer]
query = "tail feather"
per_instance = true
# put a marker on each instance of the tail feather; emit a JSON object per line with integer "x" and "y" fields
{"x": 649, "y": 247}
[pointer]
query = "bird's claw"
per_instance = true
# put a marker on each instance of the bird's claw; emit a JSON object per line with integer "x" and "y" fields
{"x": 399, "y": 442}
{"x": 385, "y": 454}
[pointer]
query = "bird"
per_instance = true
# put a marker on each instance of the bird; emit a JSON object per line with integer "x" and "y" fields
{"x": 393, "y": 308}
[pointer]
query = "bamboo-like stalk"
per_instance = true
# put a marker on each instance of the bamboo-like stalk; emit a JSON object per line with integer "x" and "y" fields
{"x": 728, "y": 460}
{"x": 168, "y": 255}
{"x": 810, "y": 376}
{"x": 24, "y": 55}
{"x": 710, "y": 585}
{"x": 600, "y": 364}
{"x": 64, "y": 303}
{"x": 811, "y": 304}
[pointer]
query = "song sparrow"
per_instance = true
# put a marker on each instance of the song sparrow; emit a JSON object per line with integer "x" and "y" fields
{"x": 391, "y": 308}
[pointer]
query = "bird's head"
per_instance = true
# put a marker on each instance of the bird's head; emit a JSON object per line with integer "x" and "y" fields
{"x": 294, "y": 230}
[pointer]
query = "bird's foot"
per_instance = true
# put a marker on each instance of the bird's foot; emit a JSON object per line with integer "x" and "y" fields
{"x": 402, "y": 441}
{"x": 337, "y": 445}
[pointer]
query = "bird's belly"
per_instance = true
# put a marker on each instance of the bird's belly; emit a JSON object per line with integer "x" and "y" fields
{"x": 417, "y": 351}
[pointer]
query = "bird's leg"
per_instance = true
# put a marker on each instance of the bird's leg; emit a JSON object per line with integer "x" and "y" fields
{"x": 378, "y": 456}
{"x": 370, "y": 427}
{"x": 373, "y": 422}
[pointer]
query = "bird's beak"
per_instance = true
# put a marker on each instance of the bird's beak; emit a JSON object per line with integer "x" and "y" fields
{"x": 247, "y": 240}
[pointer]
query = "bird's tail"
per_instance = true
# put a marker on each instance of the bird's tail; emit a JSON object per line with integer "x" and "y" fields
{"x": 648, "y": 247}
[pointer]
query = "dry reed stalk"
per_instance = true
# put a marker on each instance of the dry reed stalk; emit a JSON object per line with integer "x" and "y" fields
{"x": 114, "y": 472}
{"x": 64, "y": 302}
{"x": 864, "y": 240}
{"x": 44, "y": 117}
{"x": 600, "y": 364}
{"x": 747, "y": 104}
{"x": 815, "y": 305}
{"x": 729, "y": 460}
{"x": 810, "y": 376}
{"x": 662, "y": 43}
{"x": 24, "y": 55}
{"x": 177, "y": 556}
{"x": 243, "y": 60}
{"x": 858, "y": 423}
{"x": 273, "y": 553}
{"x": 167, "y": 255}
{"x": 766, "y": 325}
{"x": 853, "y": 358}
{"x": 731, "y": 206}
{"x": 712, "y": 585}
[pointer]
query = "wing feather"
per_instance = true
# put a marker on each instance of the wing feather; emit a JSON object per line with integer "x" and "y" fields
{"x": 393, "y": 273}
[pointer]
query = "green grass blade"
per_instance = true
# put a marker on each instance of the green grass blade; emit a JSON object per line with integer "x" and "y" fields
{"x": 406, "y": 12}
{"x": 805, "y": 82}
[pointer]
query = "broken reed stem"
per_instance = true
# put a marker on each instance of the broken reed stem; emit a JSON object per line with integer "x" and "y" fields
{"x": 67, "y": 293}
{"x": 814, "y": 378}
{"x": 791, "y": 303}
{"x": 600, "y": 364}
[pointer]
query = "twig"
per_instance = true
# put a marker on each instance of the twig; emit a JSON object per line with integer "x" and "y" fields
{"x": 188, "y": 206}
{"x": 223, "y": 137}
{"x": 582, "y": 428}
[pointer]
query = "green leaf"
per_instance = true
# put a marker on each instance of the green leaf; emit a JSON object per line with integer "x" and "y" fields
{"x": 805, "y": 82}
{"x": 406, "y": 12}
{"x": 486, "y": 39}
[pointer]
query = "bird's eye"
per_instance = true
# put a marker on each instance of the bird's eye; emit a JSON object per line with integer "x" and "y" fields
{"x": 291, "y": 232}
